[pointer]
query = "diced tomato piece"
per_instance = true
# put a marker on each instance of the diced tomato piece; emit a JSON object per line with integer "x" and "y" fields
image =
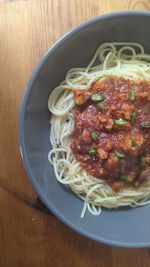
{"x": 102, "y": 153}
{"x": 81, "y": 97}
{"x": 116, "y": 186}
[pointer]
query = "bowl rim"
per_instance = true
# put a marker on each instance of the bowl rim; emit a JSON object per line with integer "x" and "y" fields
{"x": 22, "y": 111}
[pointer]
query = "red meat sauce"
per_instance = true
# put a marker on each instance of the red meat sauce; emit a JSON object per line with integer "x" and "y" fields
{"x": 111, "y": 135}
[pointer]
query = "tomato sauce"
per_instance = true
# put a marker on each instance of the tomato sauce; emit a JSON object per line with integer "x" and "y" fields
{"x": 111, "y": 135}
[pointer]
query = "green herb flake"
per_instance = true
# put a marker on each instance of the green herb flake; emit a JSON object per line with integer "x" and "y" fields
{"x": 134, "y": 143}
{"x": 101, "y": 105}
{"x": 120, "y": 122}
{"x": 97, "y": 97}
{"x": 142, "y": 161}
{"x": 92, "y": 151}
{"x": 119, "y": 155}
{"x": 125, "y": 177}
{"x": 132, "y": 95}
{"x": 94, "y": 136}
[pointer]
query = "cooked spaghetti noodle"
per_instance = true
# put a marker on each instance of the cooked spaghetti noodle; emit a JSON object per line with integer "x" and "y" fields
{"x": 117, "y": 59}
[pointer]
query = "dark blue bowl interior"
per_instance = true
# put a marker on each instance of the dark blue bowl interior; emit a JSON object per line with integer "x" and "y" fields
{"x": 123, "y": 227}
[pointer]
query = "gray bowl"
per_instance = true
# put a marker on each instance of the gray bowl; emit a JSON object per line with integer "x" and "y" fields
{"x": 122, "y": 227}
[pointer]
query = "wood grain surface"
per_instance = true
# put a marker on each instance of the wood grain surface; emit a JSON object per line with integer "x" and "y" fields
{"x": 29, "y": 235}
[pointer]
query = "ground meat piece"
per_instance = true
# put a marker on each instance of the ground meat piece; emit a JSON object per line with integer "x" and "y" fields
{"x": 81, "y": 97}
{"x": 131, "y": 143}
{"x": 102, "y": 153}
{"x": 144, "y": 176}
{"x": 127, "y": 110}
{"x": 112, "y": 165}
{"x": 86, "y": 137}
{"x": 109, "y": 124}
{"x": 108, "y": 145}
{"x": 147, "y": 159}
{"x": 142, "y": 95}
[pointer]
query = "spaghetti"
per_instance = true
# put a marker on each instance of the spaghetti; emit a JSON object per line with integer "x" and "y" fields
{"x": 119, "y": 59}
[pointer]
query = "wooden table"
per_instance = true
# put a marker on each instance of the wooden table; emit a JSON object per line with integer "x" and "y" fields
{"x": 29, "y": 235}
